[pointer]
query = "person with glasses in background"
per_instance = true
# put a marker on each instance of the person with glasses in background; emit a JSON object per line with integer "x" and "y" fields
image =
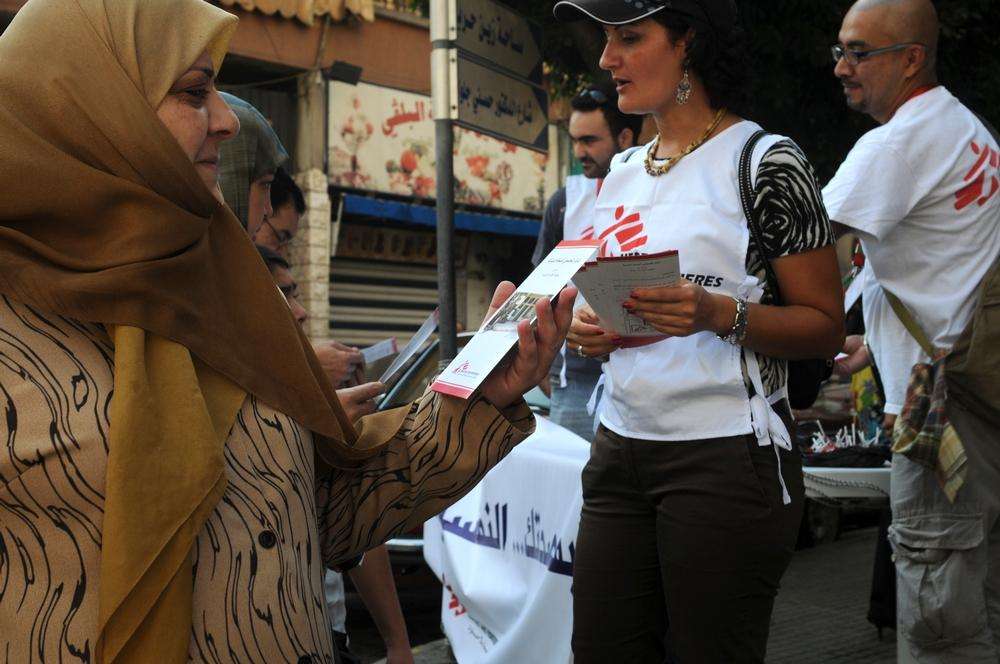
{"x": 598, "y": 131}
{"x": 921, "y": 192}
{"x": 288, "y": 204}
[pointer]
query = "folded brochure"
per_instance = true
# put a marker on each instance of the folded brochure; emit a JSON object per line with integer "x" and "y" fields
{"x": 609, "y": 280}
{"x": 498, "y": 335}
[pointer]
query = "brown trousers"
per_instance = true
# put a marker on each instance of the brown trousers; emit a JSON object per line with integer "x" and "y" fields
{"x": 681, "y": 547}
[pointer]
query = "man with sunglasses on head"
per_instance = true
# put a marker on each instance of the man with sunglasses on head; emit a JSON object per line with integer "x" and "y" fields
{"x": 921, "y": 193}
{"x": 598, "y": 131}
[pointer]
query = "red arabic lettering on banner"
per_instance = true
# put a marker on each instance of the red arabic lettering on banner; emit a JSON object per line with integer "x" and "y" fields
{"x": 986, "y": 170}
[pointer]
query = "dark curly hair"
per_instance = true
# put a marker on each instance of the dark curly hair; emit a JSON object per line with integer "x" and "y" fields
{"x": 719, "y": 61}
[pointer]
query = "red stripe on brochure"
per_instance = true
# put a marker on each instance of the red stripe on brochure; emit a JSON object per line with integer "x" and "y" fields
{"x": 579, "y": 243}
{"x": 453, "y": 390}
{"x": 635, "y": 257}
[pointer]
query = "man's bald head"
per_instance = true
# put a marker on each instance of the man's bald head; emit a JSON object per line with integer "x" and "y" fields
{"x": 892, "y": 46}
{"x": 905, "y": 21}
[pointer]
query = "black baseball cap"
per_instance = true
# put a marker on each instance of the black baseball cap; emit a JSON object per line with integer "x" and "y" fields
{"x": 717, "y": 14}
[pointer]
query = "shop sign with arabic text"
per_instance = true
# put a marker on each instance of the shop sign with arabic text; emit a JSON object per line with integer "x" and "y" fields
{"x": 382, "y": 140}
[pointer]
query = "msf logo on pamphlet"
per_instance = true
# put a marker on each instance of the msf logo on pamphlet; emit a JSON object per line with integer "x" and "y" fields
{"x": 465, "y": 369}
{"x": 627, "y": 235}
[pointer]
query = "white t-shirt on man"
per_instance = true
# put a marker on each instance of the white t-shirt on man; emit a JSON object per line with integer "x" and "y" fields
{"x": 895, "y": 350}
{"x": 923, "y": 192}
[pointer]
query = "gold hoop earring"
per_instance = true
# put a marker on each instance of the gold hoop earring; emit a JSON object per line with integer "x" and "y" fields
{"x": 683, "y": 88}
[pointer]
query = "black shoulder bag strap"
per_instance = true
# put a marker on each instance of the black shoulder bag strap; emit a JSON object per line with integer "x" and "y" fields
{"x": 748, "y": 198}
{"x": 804, "y": 376}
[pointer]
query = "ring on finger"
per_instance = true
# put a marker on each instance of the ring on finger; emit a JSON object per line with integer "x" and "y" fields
{"x": 579, "y": 350}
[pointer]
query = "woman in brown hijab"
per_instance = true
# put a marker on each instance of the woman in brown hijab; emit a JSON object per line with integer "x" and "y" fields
{"x": 176, "y": 470}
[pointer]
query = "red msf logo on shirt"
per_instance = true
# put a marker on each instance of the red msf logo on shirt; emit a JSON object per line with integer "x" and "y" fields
{"x": 982, "y": 178}
{"x": 626, "y": 235}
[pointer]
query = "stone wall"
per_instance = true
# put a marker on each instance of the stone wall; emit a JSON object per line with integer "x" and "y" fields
{"x": 310, "y": 253}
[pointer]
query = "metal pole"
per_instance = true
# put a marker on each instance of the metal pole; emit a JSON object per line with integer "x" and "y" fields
{"x": 441, "y": 89}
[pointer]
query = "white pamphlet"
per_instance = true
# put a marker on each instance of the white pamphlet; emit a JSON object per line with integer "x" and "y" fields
{"x": 607, "y": 282}
{"x": 381, "y": 350}
{"x": 499, "y": 334}
{"x": 415, "y": 343}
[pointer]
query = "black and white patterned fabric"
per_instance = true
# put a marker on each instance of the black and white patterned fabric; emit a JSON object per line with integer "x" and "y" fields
{"x": 793, "y": 221}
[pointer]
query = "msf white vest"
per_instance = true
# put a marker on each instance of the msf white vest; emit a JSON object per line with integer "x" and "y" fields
{"x": 688, "y": 388}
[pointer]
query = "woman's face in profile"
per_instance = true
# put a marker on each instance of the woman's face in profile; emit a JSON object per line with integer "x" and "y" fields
{"x": 199, "y": 119}
{"x": 645, "y": 65}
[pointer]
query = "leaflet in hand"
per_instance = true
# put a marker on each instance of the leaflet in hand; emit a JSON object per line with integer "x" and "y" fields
{"x": 415, "y": 343}
{"x": 608, "y": 281}
{"x": 378, "y": 356}
{"x": 498, "y": 335}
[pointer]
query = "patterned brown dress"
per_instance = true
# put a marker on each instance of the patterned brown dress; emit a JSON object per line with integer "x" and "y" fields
{"x": 258, "y": 594}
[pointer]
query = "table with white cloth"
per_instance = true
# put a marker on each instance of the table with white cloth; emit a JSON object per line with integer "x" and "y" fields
{"x": 504, "y": 554}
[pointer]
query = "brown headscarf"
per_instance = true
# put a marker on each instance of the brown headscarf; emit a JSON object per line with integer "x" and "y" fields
{"x": 106, "y": 220}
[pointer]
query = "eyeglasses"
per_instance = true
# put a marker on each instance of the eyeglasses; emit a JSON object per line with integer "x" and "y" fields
{"x": 854, "y": 56}
{"x": 596, "y": 95}
{"x": 283, "y": 237}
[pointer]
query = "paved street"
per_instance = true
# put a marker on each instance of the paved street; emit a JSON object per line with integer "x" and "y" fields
{"x": 819, "y": 617}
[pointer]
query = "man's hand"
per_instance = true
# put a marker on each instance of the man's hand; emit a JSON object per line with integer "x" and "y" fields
{"x": 340, "y": 363}
{"x": 586, "y": 337}
{"x": 358, "y": 401}
{"x": 536, "y": 348}
{"x": 857, "y": 357}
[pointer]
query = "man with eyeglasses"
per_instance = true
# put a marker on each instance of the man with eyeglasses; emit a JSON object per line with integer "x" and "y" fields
{"x": 921, "y": 193}
{"x": 288, "y": 204}
{"x": 598, "y": 131}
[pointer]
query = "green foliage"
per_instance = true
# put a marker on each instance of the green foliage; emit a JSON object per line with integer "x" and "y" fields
{"x": 796, "y": 94}
{"x": 794, "y": 90}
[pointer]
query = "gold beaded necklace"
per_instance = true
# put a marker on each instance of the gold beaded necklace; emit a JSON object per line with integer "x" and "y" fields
{"x": 657, "y": 170}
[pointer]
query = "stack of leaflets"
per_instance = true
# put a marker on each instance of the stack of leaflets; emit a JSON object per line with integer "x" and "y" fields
{"x": 498, "y": 335}
{"x": 378, "y": 357}
{"x": 607, "y": 282}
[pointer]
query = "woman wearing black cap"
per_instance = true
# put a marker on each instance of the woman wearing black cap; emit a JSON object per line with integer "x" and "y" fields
{"x": 693, "y": 495}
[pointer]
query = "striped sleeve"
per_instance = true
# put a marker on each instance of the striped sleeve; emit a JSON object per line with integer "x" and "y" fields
{"x": 789, "y": 203}
{"x": 443, "y": 450}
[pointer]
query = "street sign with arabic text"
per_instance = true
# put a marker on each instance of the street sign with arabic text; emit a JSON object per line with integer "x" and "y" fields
{"x": 497, "y": 73}
{"x": 504, "y": 106}
{"x": 499, "y": 36}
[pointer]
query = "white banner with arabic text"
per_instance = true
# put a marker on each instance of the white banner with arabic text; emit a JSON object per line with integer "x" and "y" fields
{"x": 504, "y": 554}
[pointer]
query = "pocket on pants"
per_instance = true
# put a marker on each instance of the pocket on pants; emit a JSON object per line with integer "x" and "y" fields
{"x": 941, "y": 566}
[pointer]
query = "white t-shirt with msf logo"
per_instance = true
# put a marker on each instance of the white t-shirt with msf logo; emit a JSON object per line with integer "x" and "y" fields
{"x": 923, "y": 192}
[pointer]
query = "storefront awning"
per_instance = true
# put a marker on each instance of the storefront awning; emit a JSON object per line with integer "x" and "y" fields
{"x": 307, "y": 10}
{"x": 425, "y": 215}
